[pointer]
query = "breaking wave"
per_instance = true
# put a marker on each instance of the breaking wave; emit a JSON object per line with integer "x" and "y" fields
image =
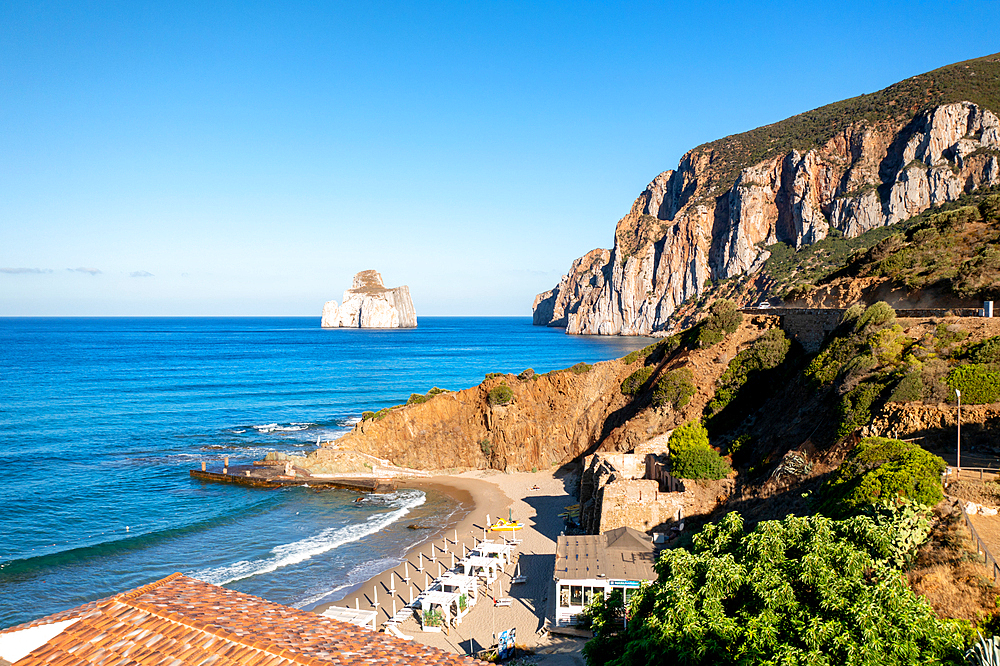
{"x": 308, "y": 548}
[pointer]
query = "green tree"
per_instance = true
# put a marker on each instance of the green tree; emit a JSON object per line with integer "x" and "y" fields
{"x": 692, "y": 456}
{"x": 803, "y": 591}
{"x": 879, "y": 469}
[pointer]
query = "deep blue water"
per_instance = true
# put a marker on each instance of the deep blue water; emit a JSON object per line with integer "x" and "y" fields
{"x": 101, "y": 419}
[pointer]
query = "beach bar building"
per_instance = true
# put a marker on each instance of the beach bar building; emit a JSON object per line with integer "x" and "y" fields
{"x": 595, "y": 564}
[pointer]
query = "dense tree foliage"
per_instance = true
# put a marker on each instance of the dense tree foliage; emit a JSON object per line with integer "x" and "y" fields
{"x": 691, "y": 455}
{"x": 803, "y": 591}
{"x": 883, "y": 469}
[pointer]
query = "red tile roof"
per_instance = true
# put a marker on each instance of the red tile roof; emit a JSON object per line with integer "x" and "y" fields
{"x": 180, "y": 621}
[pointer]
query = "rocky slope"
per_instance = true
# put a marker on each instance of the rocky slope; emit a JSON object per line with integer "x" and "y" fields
{"x": 851, "y": 166}
{"x": 369, "y": 304}
{"x": 551, "y": 418}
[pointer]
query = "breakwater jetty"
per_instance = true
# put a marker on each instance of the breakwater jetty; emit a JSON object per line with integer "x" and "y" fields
{"x": 274, "y": 474}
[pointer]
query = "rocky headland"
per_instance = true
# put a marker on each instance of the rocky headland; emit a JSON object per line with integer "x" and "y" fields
{"x": 843, "y": 169}
{"x": 369, "y": 304}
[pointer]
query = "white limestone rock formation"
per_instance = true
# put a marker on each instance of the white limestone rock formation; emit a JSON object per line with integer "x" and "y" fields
{"x": 690, "y": 225}
{"x": 369, "y": 304}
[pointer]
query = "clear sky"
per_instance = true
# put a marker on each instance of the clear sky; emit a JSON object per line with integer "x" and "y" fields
{"x": 247, "y": 158}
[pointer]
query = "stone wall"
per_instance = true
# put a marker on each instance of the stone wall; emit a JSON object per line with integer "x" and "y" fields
{"x": 638, "y": 503}
{"x": 629, "y": 489}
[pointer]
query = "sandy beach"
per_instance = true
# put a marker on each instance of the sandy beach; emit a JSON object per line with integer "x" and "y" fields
{"x": 482, "y": 493}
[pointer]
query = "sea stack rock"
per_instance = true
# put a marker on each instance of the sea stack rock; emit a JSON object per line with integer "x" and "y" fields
{"x": 368, "y": 304}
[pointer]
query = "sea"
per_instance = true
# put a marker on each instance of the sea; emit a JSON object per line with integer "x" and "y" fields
{"x": 101, "y": 420}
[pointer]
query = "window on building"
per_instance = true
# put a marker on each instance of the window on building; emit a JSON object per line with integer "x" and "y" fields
{"x": 576, "y": 595}
{"x": 564, "y": 596}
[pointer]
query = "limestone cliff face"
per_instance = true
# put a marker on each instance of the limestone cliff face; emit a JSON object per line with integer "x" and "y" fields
{"x": 368, "y": 304}
{"x": 691, "y": 225}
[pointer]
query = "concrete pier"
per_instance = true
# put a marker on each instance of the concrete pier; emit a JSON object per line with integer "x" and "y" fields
{"x": 272, "y": 476}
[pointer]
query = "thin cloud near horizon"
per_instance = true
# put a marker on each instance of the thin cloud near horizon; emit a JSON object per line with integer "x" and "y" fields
{"x": 89, "y": 271}
{"x": 25, "y": 271}
{"x": 140, "y": 274}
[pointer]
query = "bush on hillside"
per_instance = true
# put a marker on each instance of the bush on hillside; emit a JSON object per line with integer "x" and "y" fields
{"x": 580, "y": 368}
{"x": 500, "y": 395}
{"x": 803, "y": 590}
{"x": 985, "y": 352}
{"x": 634, "y": 382}
{"x": 724, "y": 318}
{"x": 674, "y": 388}
{"x": 526, "y": 374}
{"x": 881, "y": 469}
{"x": 366, "y": 416}
{"x": 692, "y": 456}
{"x": 766, "y": 353}
{"x": 855, "y": 408}
{"x": 979, "y": 384}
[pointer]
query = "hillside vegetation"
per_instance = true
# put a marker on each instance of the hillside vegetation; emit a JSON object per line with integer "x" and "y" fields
{"x": 976, "y": 81}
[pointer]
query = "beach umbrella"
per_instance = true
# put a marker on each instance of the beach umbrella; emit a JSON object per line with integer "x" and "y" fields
{"x": 357, "y": 603}
{"x": 456, "y": 537}
{"x": 453, "y": 560}
{"x": 406, "y": 570}
{"x": 440, "y": 569}
{"x": 426, "y": 581}
{"x": 394, "y": 606}
{"x": 465, "y": 550}
{"x": 421, "y": 560}
{"x": 445, "y": 547}
{"x": 375, "y": 593}
{"x": 411, "y": 593}
{"x": 392, "y": 582}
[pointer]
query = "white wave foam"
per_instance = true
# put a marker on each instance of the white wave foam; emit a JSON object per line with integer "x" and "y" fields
{"x": 267, "y": 427}
{"x": 357, "y": 575}
{"x": 305, "y": 549}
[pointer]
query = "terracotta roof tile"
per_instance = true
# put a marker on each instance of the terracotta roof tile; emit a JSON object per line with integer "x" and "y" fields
{"x": 180, "y": 621}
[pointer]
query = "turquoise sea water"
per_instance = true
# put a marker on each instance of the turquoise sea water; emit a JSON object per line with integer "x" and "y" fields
{"x": 101, "y": 419}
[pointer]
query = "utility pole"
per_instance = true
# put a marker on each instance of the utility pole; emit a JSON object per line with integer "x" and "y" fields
{"x": 958, "y": 460}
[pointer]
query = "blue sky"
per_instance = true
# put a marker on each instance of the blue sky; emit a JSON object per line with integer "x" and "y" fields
{"x": 242, "y": 158}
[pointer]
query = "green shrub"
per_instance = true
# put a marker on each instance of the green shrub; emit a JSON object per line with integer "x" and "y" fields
{"x": 909, "y": 389}
{"x": 690, "y": 435}
{"x": 708, "y": 337}
{"x": 907, "y": 523}
{"x": 493, "y": 375}
{"x": 674, "y": 388}
{"x": 436, "y": 391}
{"x": 985, "y": 352}
{"x": 692, "y": 456}
{"x": 979, "y": 384}
{"x": 366, "y": 416}
{"x": 724, "y": 317}
{"x": 486, "y": 447}
{"x": 803, "y": 590}
{"x": 634, "y": 382}
{"x": 855, "y": 407}
{"x": 878, "y": 315}
{"x": 500, "y": 395}
{"x": 526, "y": 374}
{"x": 632, "y": 356}
{"x": 580, "y": 368}
{"x": 417, "y": 399}
{"x": 699, "y": 463}
{"x": 882, "y": 469}
{"x": 766, "y": 353}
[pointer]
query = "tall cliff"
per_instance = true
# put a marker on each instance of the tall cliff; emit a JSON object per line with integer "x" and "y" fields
{"x": 852, "y": 166}
{"x": 369, "y": 304}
